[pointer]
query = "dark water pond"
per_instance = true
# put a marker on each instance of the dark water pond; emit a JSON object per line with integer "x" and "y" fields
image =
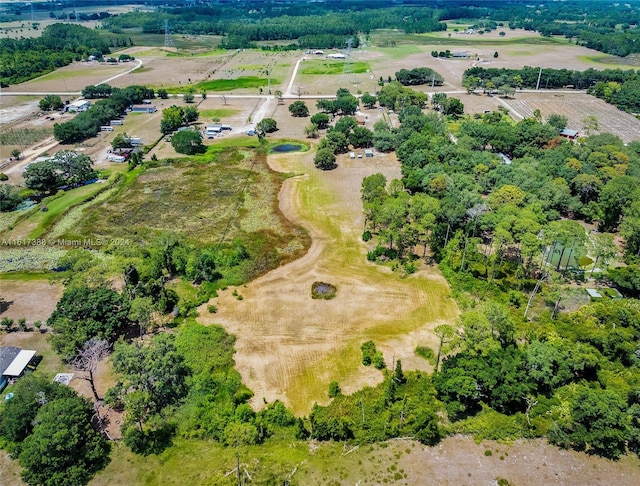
{"x": 287, "y": 147}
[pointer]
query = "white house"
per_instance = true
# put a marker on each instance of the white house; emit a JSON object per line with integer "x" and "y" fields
{"x": 337, "y": 55}
{"x": 78, "y": 106}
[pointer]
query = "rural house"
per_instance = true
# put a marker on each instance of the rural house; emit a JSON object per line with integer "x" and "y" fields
{"x": 144, "y": 109}
{"x": 78, "y": 106}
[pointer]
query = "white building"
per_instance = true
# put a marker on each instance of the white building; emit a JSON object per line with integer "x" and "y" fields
{"x": 78, "y": 106}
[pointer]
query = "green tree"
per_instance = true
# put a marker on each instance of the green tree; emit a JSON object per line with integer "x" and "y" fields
{"x": 299, "y": 109}
{"x": 121, "y": 140}
{"x": 368, "y": 100}
{"x": 334, "y": 389}
{"x": 172, "y": 119}
{"x": 325, "y": 159}
{"x": 64, "y": 449}
{"x": 267, "y": 125}
{"x": 321, "y": 120}
{"x": 187, "y": 142}
{"x": 163, "y": 94}
{"x": 30, "y": 393}
{"x": 603, "y": 247}
{"x": 188, "y": 97}
{"x": 190, "y": 114}
{"x": 83, "y": 313}
{"x": 598, "y": 423}
{"x": 9, "y": 197}
{"x": 361, "y": 137}
{"x": 558, "y": 121}
{"x": 51, "y": 103}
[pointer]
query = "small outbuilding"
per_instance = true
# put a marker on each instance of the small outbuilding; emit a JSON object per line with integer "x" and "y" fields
{"x": 368, "y": 153}
{"x": 337, "y": 55}
{"x": 568, "y": 133}
{"x": 144, "y": 109}
{"x": 13, "y": 362}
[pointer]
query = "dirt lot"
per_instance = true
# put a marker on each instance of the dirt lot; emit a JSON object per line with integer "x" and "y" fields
{"x": 33, "y": 299}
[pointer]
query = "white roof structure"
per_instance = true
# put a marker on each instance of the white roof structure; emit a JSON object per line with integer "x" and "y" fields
{"x": 79, "y": 103}
{"x": 63, "y": 378}
{"x": 593, "y": 293}
{"x": 20, "y": 362}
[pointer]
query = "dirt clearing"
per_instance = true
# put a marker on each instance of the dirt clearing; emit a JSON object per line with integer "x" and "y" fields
{"x": 33, "y": 299}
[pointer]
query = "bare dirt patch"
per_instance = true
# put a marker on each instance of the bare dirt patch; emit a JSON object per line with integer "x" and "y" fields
{"x": 33, "y": 299}
{"x": 290, "y": 346}
{"x": 575, "y": 107}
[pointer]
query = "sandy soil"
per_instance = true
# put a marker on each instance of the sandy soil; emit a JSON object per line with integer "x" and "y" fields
{"x": 34, "y": 299}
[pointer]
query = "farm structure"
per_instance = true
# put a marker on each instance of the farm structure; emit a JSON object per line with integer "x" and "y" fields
{"x": 144, "y": 109}
{"x": 78, "y": 106}
{"x": 13, "y": 362}
{"x": 568, "y": 133}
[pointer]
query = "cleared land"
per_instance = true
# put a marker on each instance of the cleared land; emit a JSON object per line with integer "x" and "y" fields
{"x": 455, "y": 461}
{"x": 290, "y": 346}
{"x": 31, "y": 296}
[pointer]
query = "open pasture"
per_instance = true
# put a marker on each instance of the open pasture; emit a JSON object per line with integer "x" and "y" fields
{"x": 290, "y": 346}
{"x": 73, "y": 77}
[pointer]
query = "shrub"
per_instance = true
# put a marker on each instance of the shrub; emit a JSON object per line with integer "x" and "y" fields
{"x": 3, "y": 176}
{"x": 334, "y": 389}
{"x": 366, "y": 236}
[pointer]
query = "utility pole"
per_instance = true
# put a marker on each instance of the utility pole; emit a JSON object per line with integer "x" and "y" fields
{"x": 539, "y": 76}
{"x": 268, "y": 81}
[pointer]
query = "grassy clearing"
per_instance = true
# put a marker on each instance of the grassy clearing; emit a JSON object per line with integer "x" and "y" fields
{"x": 207, "y": 199}
{"x": 333, "y": 67}
{"x": 243, "y": 82}
{"x": 606, "y": 61}
{"x": 390, "y": 38}
{"x": 61, "y": 74}
{"x": 396, "y": 53}
{"x": 217, "y": 113}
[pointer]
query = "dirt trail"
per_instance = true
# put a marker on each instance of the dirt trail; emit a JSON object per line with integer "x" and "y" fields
{"x": 290, "y": 346}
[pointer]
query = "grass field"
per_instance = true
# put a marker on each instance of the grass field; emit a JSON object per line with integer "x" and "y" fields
{"x": 217, "y": 113}
{"x": 243, "y": 82}
{"x": 333, "y": 67}
{"x": 291, "y": 346}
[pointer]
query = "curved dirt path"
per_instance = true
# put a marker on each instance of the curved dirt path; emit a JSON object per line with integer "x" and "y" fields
{"x": 290, "y": 347}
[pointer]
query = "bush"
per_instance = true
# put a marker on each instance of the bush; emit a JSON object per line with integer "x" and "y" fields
{"x": 366, "y": 236}
{"x": 334, "y": 389}
{"x": 426, "y": 353}
{"x": 3, "y": 176}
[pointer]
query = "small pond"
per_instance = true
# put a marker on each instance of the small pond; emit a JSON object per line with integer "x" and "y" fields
{"x": 287, "y": 147}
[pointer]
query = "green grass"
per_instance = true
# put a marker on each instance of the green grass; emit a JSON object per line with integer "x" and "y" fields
{"x": 333, "y": 67}
{"x": 243, "y": 82}
{"x": 398, "y": 52}
{"x": 79, "y": 73}
{"x": 389, "y": 38}
{"x": 217, "y": 113}
{"x": 44, "y": 219}
{"x": 25, "y": 276}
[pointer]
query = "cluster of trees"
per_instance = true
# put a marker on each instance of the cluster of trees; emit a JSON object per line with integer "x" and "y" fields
{"x": 66, "y": 169}
{"x": 51, "y": 103}
{"x": 345, "y": 133}
{"x": 59, "y": 45}
{"x": 188, "y": 142}
{"x": 625, "y": 95}
{"x": 114, "y": 103}
{"x": 418, "y": 76}
{"x": 175, "y": 117}
{"x": 556, "y": 380}
{"x": 395, "y": 97}
{"x": 596, "y": 181}
{"x": 527, "y": 77}
{"x": 47, "y": 427}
